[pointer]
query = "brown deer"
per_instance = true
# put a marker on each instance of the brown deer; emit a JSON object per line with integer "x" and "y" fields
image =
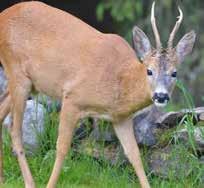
{"x": 94, "y": 74}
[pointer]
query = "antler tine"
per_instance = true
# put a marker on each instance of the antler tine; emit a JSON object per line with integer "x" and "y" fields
{"x": 175, "y": 29}
{"x": 154, "y": 27}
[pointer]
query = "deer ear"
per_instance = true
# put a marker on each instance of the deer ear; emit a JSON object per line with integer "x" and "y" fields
{"x": 185, "y": 45}
{"x": 141, "y": 43}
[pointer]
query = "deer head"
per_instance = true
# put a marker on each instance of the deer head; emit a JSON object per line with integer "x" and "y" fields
{"x": 162, "y": 63}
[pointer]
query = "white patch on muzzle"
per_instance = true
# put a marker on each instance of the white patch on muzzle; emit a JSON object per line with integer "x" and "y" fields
{"x": 160, "y": 89}
{"x": 158, "y": 104}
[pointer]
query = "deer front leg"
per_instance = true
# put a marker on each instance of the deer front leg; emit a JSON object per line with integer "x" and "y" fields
{"x": 68, "y": 119}
{"x": 125, "y": 134}
{"x": 19, "y": 96}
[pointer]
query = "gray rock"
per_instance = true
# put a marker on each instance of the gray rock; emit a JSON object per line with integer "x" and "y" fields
{"x": 33, "y": 125}
{"x": 166, "y": 162}
{"x": 96, "y": 129}
{"x": 171, "y": 119}
{"x": 202, "y": 159}
{"x": 144, "y": 133}
{"x": 84, "y": 129}
{"x": 198, "y": 136}
{"x": 104, "y": 133}
{"x": 202, "y": 116}
{"x": 3, "y": 81}
{"x": 148, "y": 121}
{"x": 145, "y": 125}
{"x": 113, "y": 153}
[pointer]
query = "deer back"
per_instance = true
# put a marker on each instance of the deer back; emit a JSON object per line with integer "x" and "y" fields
{"x": 62, "y": 55}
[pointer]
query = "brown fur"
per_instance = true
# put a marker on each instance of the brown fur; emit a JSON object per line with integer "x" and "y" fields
{"x": 97, "y": 74}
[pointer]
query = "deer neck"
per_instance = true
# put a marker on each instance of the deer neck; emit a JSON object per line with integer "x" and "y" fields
{"x": 134, "y": 92}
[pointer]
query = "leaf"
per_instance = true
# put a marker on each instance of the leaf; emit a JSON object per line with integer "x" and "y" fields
{"x": 100, "y": 9}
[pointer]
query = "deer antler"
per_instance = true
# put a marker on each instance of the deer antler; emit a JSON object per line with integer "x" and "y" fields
{"x": 175, "y": 29}
{"x": 154, "y": 28}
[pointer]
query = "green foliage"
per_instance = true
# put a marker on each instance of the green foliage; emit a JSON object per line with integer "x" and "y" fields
{"x": 188, "y": 100}
{"x": 48, "y": 138}
{"x": 125, "y": 13}
{"x": 120, "y": 10}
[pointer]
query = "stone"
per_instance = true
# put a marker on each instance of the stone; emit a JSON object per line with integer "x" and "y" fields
{"x": 171, "y": 119}
{"x": 3, "y": 81}
{"x": 144, "y": 133}
{"x": 96, "y": 129}
{"x": 33, "y": 125}
{"x": 102, "y": 132}
{"x": 165, "y": 162}
{"x": 84, "y": 128}
{"x": 152, "y": 120}
{"x": 202, "y": 160}
{"x": 201, "y": 116}
{"x": 198, "y": 135}
{"x": 113, "y": 153}
{"x": 98, "y": 140}
{"x": 144, "y": 125}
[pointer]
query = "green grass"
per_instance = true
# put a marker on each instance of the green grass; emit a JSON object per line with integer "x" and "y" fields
{"x": 78, "y": 171}
{"x": 82, "y": 171}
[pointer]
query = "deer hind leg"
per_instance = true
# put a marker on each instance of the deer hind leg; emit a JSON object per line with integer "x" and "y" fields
{"x": 19, "y": 91}
{"x": 69, "y": 117}
{"x": 125, "y": 134}
{"x": 4, "y": 110}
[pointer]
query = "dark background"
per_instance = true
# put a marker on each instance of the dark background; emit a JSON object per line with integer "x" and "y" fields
{"x": 84, "y": 9}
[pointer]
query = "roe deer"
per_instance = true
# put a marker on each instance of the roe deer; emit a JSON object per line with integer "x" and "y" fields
{"x": 94, "y": 74}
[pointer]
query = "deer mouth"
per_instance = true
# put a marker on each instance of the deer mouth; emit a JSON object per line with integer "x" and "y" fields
{"x": 160, "y": 104}
{"x": 160, "y": 99}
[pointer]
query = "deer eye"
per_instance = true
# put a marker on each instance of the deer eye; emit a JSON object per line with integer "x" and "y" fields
{"x": 149, "y": 72}
{"x": 174, "y": 74}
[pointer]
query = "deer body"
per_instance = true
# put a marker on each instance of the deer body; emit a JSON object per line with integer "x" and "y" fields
{"x": 50, "y": 51}
{"x": 98, "y": 71}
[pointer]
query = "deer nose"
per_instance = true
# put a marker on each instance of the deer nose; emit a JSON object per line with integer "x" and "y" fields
{"x": 161, "y": 97}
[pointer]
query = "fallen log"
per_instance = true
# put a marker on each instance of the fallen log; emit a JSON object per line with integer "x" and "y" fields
{"x": 148, "y": 120}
